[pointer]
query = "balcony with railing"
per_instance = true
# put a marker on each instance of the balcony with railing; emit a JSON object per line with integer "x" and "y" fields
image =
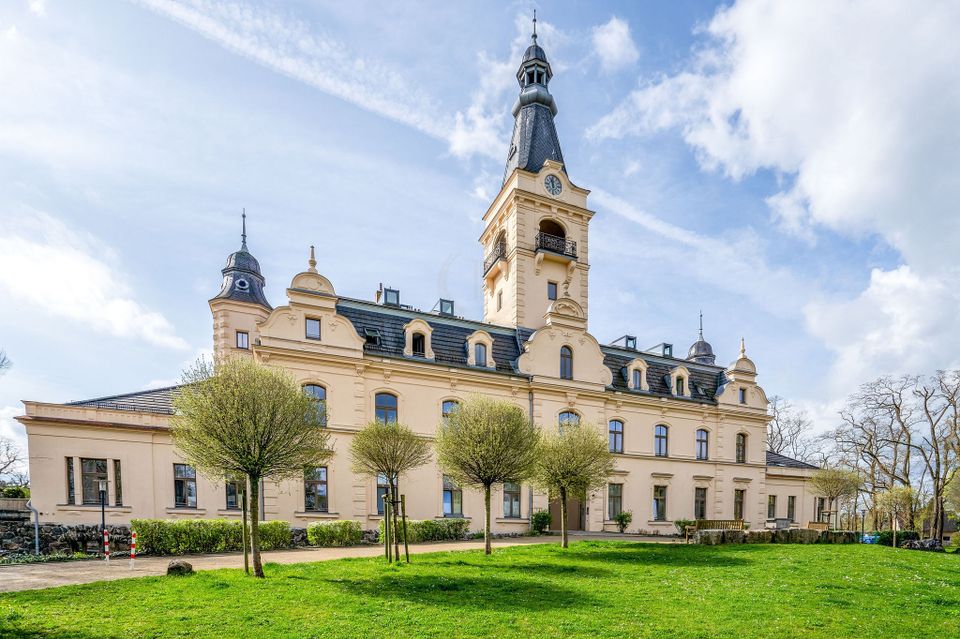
{"x": 498, "y": 253}
{"x": 556, "y": 244}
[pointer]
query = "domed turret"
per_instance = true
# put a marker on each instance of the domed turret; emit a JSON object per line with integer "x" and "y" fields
{"x": 701, "y": 351}
{"x": 242, "y": 280}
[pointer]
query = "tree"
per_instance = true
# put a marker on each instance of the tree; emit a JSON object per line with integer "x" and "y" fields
{"x": 11, "y": 456}
{"x": 243, "y": 418}
{"x": 788, "y": 432}
{"x": 391, "y": 450}
{"x": 952, "y": 495}
{"x": 834, "y": 483}
{"x": 5, "y": 362}
{"x": 896, "y": 503}
{"x": 486, "y": 442}
{"x": 571, "y": 463}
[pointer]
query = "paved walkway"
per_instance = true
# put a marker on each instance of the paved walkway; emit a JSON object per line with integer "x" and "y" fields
{"x": 34, "y": 576}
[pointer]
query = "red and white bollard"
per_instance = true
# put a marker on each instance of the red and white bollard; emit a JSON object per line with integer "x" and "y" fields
{"x": 106, "y": 545}
{"x": 133, "y": 548}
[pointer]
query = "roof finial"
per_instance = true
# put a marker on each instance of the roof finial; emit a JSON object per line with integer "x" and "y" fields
{"x": 312, "y": 262}
{"x": 743, "y": 348}
{"x": 701, "y": 324}
{"x": 534, "y": 26}
{"x": 243, "y": 244}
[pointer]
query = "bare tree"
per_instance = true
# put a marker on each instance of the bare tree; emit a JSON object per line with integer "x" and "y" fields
{"x": 835, "y": 484}
{"x": 244, "y": 418}
{"x": 571, "y": 463}
{"x": 486, "y": 442}
{"x": 5, "y": 362}
{"x": 896, "y": 503}
{"x": 789, "y": 432}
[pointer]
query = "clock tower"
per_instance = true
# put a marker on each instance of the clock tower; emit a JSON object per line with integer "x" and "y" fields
{"x": 535, "y": 234}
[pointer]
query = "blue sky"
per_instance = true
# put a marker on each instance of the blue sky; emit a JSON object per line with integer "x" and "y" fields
{"x": 789, "y": 168}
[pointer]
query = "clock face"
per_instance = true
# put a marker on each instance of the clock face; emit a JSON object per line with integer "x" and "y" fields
{"x": 553, "y": 185}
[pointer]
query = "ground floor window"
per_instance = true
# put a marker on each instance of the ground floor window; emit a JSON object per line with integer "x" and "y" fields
{"x": 659, "y": 503}
{"x": 511, "y": 500}
{"x": 184, "y": 486}
{"x": 614, "y": 500}
{"x": 792, "y": 508}
{"x": 117, "y": 484}
{"x": 315, "y": 489}
{"x": 234, "y": 492}
{"x": 699, "y": 503}
{"x": 819, "y": 506}
{"x": 738, "y": 496}
{"x": 771, "y": 506}
{"x": 71, "y": 483}
{"x": 382, "y": 486}
{"x": 92, "y": 472}
{"x": 452, "y": 498}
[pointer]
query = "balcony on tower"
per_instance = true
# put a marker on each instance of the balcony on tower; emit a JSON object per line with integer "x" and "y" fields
{"x": 552, "y": 239}
{"x": 497, "y": 253}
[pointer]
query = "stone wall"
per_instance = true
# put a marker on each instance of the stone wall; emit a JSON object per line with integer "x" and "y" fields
{"x": 17, "y": 537}
{"x": 789, "y": 536}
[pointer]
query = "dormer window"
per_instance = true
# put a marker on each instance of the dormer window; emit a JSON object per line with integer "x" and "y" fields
{"x": 637, "y": 375}
{"x": 313, "y": 328}
{"x": 417, "y": 336}
{"x": 446, "y": 307}
{"x": 419, "y": 343}
{"x": 480, "y": 353}
{"x": 680, "y": 387}
{"x": 372, "y": 336}
{"x": 480, "y": 350}
{"x": 637, "y": 381}
{"x": 679, "y": 382}
{"x": 391, "y": 297}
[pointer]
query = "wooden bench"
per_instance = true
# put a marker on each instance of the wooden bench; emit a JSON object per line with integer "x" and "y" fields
{"x": 712, "y": 524}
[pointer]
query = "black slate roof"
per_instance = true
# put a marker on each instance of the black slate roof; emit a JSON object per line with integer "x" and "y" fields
{"x": 156, "y": 400}
{"x": 703, "y": 383}
{"x": 534, "y": 141}
{"x": 776, "y": 459}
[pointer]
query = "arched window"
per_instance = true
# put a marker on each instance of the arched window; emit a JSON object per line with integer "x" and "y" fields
{"x": 566, "y": 362}
{"x": 319, "y": 395}
{"x": 568, "y": 418}
{"x": 741, "y": 448}
{"x": 616, "y": 436}
{"x": 660, "y": 441}
{"x": 681, "y": 386}
{"x": 419, "y": 345}
{"x": 448, "y": 408}
{"x": 480, "y": 354}
{"x": 551, "y": 227}
{"x": 703, "y": 450}
{"x": 385, "y": 408}
{"x": 637, "y": 379}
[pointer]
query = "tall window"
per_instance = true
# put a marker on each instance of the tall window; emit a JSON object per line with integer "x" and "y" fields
{"x": 385, "y": 408}
{"x": 660, "y": 441}
{"x": 117, "y": 484}
{"x": 448, "y": 408}
{"x": 703, "y": 448}
{"x": 319, "y": 395}
{"x": 184, "y": 486}
{"x": 771, "y": 506}
{"x": 566, "y": 362}
{"x": 419, "y": 344}
{"x": 614, "y": 500}
{"x": 568, "y": 418}
{"x": 511, "y": 500}
{"x": 681, "y": 388}
{"x": 480, "y": 354}
{"x": 616, "y": 436}
{"x": 315, "y": 489}
{"x": 659, "y": 503}
{"x": 499, "y": 300}
{"x": 819, "y": 508}
{"x": 382, "y": 486}
{"x": 743, "y": 395}
{"x": 71, "y": 483}
{"x": 551, "y": 290}
{"x": 91, "y": 472}
{"x": 234, "y": 491}
{"x": 313, "y": 328}
{"x": 637, "y": 379}
{"x": 741, "y": 448}
{"x": 452, "y": 498}
{"x": 699, "y": 503}
{"x": 243, "y": 339}
{"x": 738, "y": 497}
{"x": 792, "y": 508}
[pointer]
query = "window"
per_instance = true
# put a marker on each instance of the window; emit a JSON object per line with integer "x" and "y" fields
{"x": 480, "y": 354}
{"x": 568, "y": 418}
{"x": 659, "y": 503}
{"x": 446, "y": 307}
{"x": 243, "y": 339}
{"x": 680, "y": 386}
{"x": 117, "y": 485}
{"x": 382, "y": 486}
{"x": 419, "y": 345}
{"x": 741, "y": 448}
{"x": 234, "y": 491}
{"x": 699, "y": 503}
{"x": 447, "y": 409}
{"x": 819, "y": 508}
{"x": 184, "y": 486}
{"x": 792, "y": 508}
{"x": 637, "y": 379}
{"x": 315, "y": 489}
{"x": 71, "y": 483}
{"x": 616, "y": 436}
{"x": 452, "y": 498}
{"x": 614, "y": 500}
{"x": 511, "y": 500}
{"x": 551, "y": 290}
{"x": 319, "y": 395}
{"x": 385, "y": 408}
{"x": 91, "y": 472}
{"x": 499, "y": 300}
{"x": 660, "y": 441}
{"x": 391, "y": 297}
{"x": 743, "y": 395}
{"x": 703, "y": 449}
{"x": 313, "y": 328}
{"x": 771, "y": 506}
{"x": 566, "y": 362}
{"x": 738, "y": 497}
{"x": 371, "y": 336}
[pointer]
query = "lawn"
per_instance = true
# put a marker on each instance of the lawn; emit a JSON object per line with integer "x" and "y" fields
{"x": 594, "y": 589}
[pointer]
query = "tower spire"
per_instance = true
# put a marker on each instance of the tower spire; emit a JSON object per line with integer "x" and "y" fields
{"x": 243, "y": 243}
{"x": 534, "y": 26}
{"x": 701, "y": 324}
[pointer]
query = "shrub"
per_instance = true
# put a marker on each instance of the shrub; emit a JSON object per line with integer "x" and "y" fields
{"x": 334, "y": 533}
{"x": 177, "y": 537}
{"x": 15, "y": 492}
{"x": 682, "y": 524}
{"x": 540, "y": 521}
{"x": 432, "y": 529}
{"x": 885, "y": 537}
{"x": 623, "y": 519}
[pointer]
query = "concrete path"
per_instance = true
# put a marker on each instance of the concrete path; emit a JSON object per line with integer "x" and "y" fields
{"x": 34, "y": 576}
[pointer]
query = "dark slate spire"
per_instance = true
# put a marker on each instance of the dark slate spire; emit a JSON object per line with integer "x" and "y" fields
{"x": 534, "y": 135}
{"x": 701, "y": 351}
{"x": 242, "y": 281}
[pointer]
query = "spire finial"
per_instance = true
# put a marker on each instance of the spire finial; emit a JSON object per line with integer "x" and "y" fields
{"x": 243, "y": 244}
{"x": 312, "y": 262}
{"x": 701, "y": 324}
{"x": 534, "y": 26}
{"x": 743, "y": 348}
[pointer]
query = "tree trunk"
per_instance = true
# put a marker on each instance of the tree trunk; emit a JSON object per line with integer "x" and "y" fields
{"x": 563, "y": 518}
{"x": 936, "y": 526}
{"x": 255, "y": 526}
{"x": 486, "y": 522}
{"x": 396, "y": 520}
{"x": 244, "y": 534}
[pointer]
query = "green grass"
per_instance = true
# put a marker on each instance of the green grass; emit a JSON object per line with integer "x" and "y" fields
{"x": 594, "y": 589}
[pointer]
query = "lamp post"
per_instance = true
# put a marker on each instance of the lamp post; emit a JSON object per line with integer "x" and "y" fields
{"x": 863, "y": 519}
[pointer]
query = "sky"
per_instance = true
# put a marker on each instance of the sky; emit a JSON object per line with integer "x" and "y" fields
{"x": 792, "y": 169}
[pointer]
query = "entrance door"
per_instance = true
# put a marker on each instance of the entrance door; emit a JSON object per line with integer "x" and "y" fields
{"x": 576, "y": 515}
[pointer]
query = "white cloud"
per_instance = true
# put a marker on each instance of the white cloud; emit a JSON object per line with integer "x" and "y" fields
{"x": 613, "y": 44}
{"x": 66, "y": 273}
{"x": 38, "y": 7}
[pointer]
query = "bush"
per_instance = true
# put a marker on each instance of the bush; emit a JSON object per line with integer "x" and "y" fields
{"x": 885, "y": 537}
{"x": 540, "y": 521}
{"x": 15, "y": 492}
{"x": 682, "y": 524}
{"x": 432, "y": 529}
{"x": 178, "y": 537}
{"x": 24, "y": 558}
{"x": 334, "y": 533}
{"x": 623, "y": 519}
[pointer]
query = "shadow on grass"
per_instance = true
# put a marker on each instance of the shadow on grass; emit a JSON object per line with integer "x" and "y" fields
{"x": 663, "y": 554}
{"x": 495, "y": 592}
{"x": 543, "y": 569}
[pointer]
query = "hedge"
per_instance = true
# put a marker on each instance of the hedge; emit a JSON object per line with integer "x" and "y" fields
{"x": 334, "y": 533}
{"x": 188, "y": 536}
{"x": 885, "y": 537}
{"x": 432, "y": 529}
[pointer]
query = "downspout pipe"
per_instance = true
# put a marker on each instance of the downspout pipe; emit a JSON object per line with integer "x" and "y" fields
{"x": 36, "y": 527}
{"x": 530, "y": 494}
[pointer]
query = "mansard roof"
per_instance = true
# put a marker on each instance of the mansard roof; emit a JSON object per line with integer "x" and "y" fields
{"x": 776, "y": 459}
{"x": 155, "y": 400}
